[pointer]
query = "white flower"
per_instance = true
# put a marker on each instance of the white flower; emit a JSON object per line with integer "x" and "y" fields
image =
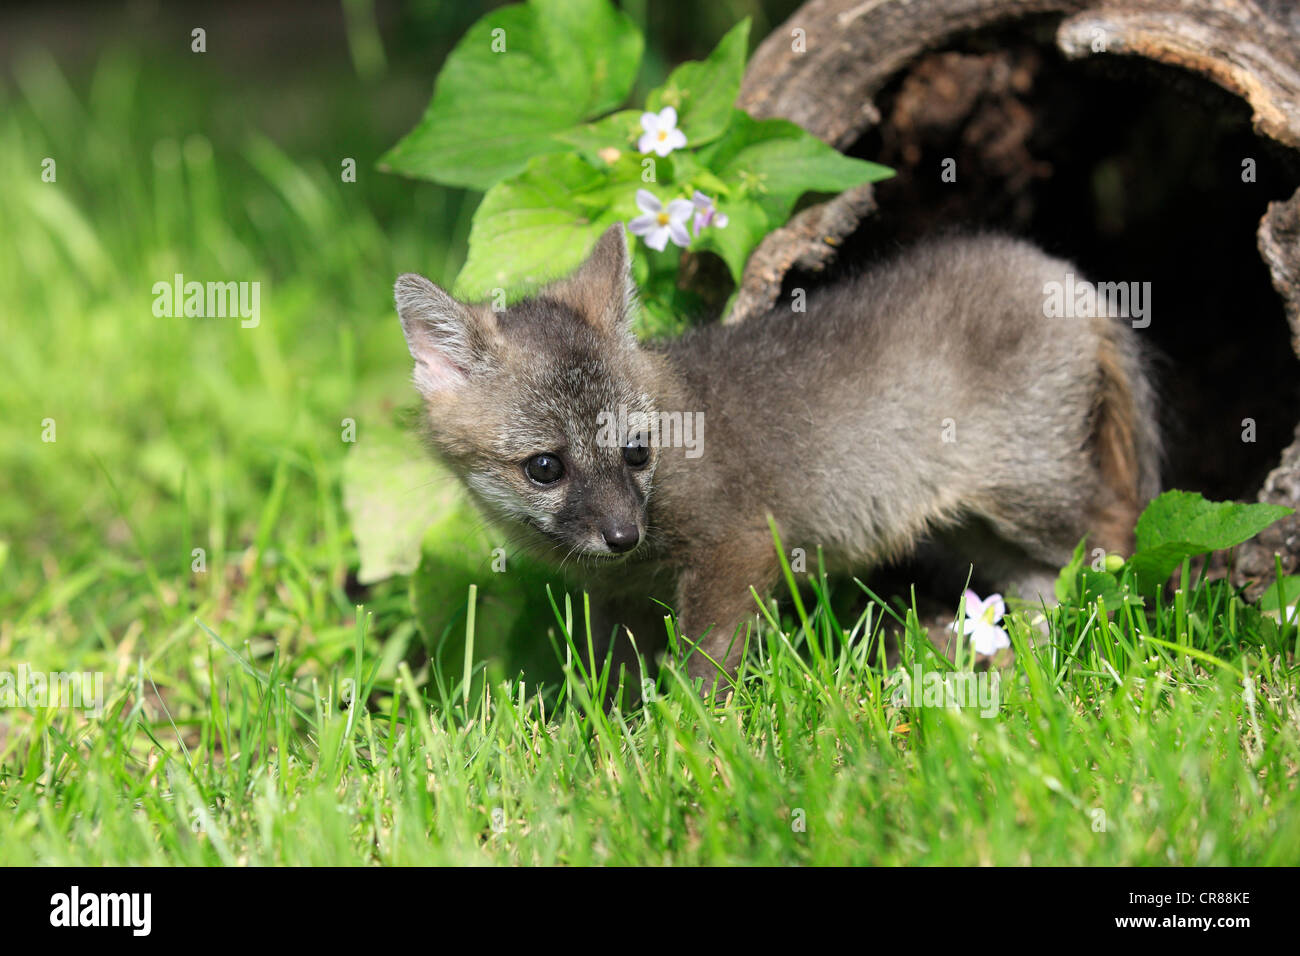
{"x": 1291, "y": 611}
{"x": 661, "y": 133}
{"x": 706, "y": 213}
{"x": 980, "y": 623}
{"x": 658, "y": 225}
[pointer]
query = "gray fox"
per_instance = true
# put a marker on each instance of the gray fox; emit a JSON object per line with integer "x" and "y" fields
{"x": 928, "y": 406}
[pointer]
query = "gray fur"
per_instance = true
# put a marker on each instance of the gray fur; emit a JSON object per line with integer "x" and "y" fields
{"x": 831, "y": 420}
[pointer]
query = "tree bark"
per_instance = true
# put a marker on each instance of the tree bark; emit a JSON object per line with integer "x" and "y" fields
{"x": 825, "y": 66}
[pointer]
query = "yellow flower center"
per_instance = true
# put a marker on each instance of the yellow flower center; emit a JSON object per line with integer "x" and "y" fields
{"x": 663, "y": 135}
{"x": 663, "y": 219}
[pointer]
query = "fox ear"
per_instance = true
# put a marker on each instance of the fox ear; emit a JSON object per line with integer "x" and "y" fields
{"x": 447, "y": 338}
{"x": 602, "y": 290}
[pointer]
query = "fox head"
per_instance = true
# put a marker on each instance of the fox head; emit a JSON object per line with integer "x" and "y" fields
{"x": 536, "y": 406}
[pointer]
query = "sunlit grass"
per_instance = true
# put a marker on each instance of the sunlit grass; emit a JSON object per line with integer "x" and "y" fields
{"x": 1109, "y": 745}
{"x": 1163, "y": 736}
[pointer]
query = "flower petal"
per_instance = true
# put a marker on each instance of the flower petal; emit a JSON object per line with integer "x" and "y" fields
{"x": 642, "y": 224}
{"x": 650, "y": 122}
{"x": 646, "y": 143}
{"x": 676, "y": 139}
{"x": 657, "y": 239}
{"x": 679, "y": 234}
{"x": 647, "y": 201}
{"x": 667, "y": 118}
{"x": 701, "y": 201}
{"x": 679, "y": 210}
{"x": 988, "y": 639}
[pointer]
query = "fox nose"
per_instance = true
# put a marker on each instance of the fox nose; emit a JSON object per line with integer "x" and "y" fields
{"x": 620, "y": 536}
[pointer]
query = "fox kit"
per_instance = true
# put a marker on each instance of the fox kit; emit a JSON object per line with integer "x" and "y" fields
{"x": 927, "y": 406}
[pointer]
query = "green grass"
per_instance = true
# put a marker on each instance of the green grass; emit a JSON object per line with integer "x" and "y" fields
{"x": 225, "y": 740}
{"x": 1112, "y": 745}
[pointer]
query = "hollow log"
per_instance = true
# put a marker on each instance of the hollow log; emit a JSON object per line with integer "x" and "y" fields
{"x": 827, "y": 65}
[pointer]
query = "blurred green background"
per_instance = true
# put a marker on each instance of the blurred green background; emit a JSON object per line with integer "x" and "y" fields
{"x": 173, "y": 434}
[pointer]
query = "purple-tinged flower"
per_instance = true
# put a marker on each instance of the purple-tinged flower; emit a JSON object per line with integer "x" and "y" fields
{"x": 980, "y": 623}
{"x": 658, "y": 225}
{"x": 706, "y": 213}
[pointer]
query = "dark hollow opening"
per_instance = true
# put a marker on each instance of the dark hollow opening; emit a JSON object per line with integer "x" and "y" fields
{"x": 1134, "y": 171}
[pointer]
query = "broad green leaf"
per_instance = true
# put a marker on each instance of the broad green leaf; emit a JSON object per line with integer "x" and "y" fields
{"x": 1268, "y": 601}
{"x": 1181, "y": 516}
{"x": 703, "y": 92}
{"x": 1181, "y": 524}
{"x": 683, "y": 169}
{"x": 617, "y": 131}
{"x": 1080, "y": 580}
{"x": 774, "y": 162}
{"x": 710, "y": 184}
{"x": 540, "y": 225}
{"x": 564, "y": 61}
{"x": 1152, "y": 567}
{"x": 392, "y": 493}
{"x": 1101, "y": 584}
{"x": 512, "y": 612}
{"x": 747, "y": 225}
{"x": 409, "y": 515}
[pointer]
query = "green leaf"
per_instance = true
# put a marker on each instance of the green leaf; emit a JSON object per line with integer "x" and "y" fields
{"x": 684, "y": 170}
{"x": 409, "y": 515}
{"x": 703, "y": 91}
{"x": 565, "y": 61}
{"x": 1181, "y": 524}
{"x": 1080, "y": 580}
{"x": 774, "y": 162}
{"x": 392, "y": 493}
{"x": 1102, "y": 584}
{"x": 1178, "y": 516}
{"x": 1152, "y": 567}
{"x": 1067, "y": 582}
{"x": 1268, "y": 601}
{"x": 747, "y": 225}
{"x": 512, "y": 611}
{"x": 540, "y": 225}
{"x": 617, "y": 131}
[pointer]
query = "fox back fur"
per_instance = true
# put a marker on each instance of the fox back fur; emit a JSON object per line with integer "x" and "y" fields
{"x": 927, "y": 406}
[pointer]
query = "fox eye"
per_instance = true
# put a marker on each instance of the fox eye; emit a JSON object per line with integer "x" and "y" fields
{"x": 637, "y": 451}
{"x": 544, "y": 469}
